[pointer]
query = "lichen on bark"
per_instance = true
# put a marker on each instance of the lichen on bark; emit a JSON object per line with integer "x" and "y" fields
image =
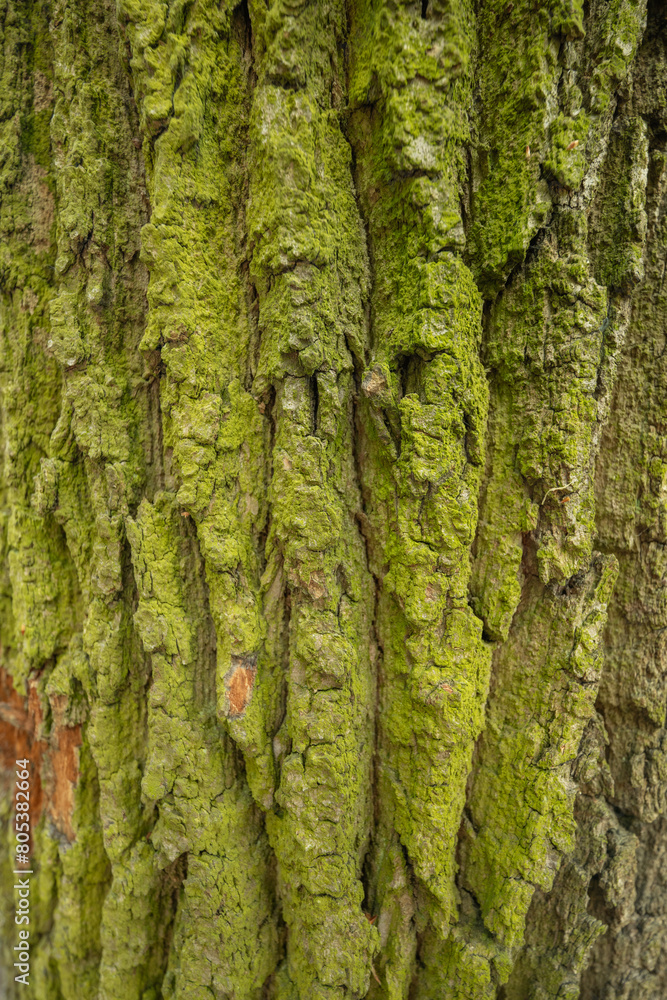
{"x": 332, "y": 497}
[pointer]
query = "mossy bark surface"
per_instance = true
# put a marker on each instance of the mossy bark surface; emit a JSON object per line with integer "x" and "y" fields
{"x": 333, "y": 498}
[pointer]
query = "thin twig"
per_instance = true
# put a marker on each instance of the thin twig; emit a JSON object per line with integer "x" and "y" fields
{"x": 554, "y": 489}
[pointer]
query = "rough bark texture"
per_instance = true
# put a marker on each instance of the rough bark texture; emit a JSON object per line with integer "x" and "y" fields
{"x": 333, "y": 497}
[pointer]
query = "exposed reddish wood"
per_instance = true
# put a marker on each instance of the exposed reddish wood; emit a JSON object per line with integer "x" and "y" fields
{"x": 55, "y": 761}
{"x": 239, "y": 688}
{"x": 17, "y": 741}
{"x": 64, "y": 768}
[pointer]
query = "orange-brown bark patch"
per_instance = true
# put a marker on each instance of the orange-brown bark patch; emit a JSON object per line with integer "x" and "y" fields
{"x": 239, "y": 688}
{"x": 19, "y": 721}
{"x": 64, "y": 768}
{"x": 54, "y": 762}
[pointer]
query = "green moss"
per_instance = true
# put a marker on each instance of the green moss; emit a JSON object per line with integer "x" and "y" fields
{"x": 611, "y": 45}
{"x": 83, "y": 881}
{"x": 423, "y": 424}
{"x": 506, "y": 515}
{"x": 619, "y": 225}
{"x": 541, "y": 122}
{"x": 204, "y": 812}
{"x": 565, "y": 161}
{"x": 262, "y": 508}
{"x": 518, "y": 72}
{"x": 460, "y": 967}
{"x": 534, "y": 727}
{"x": 309, "y": 268}
{"x": 547, "y": 334}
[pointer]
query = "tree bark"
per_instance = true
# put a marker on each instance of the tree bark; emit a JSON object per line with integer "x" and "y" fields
{"x": 333, "y": 498}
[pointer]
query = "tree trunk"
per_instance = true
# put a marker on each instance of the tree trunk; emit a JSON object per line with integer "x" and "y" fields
{"x": 333, "y": 521}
